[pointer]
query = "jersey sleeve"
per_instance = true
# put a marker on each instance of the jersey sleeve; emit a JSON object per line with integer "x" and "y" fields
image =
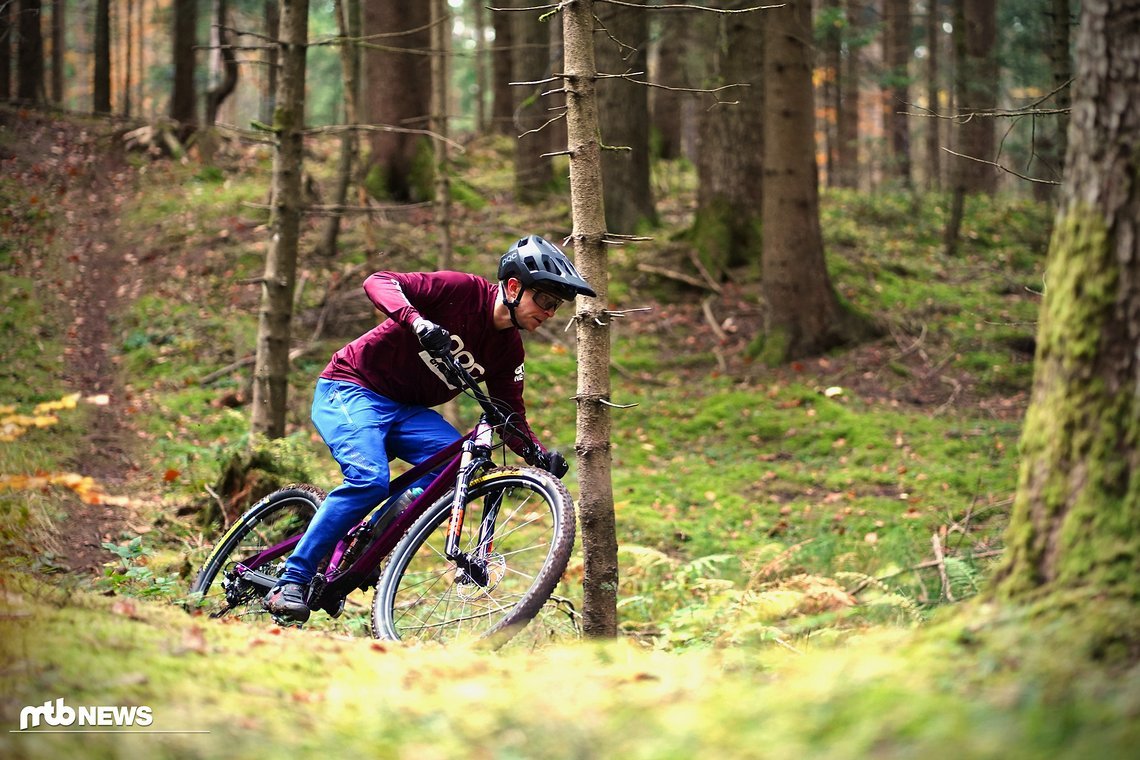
{"x": 393, "y": 292}
{"x": 508, "y": 388}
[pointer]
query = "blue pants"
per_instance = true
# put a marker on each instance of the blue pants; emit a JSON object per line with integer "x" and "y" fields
{"x": 363, "y": 430}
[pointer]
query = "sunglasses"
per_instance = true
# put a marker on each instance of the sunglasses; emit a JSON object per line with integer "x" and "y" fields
{"x": 545, "y": 301}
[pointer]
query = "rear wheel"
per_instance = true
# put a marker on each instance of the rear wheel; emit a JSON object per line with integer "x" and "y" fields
{"x": 272, "y": 522}
{"x": 423, "y": 595}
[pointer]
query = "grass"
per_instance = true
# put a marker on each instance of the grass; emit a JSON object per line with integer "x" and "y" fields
{"x": 252, "y": 689}
{"x": 763, "y": 514}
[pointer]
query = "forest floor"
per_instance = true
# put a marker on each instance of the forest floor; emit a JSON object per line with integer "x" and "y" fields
{"x": 980, "y": 682}
{"x": 82, "y": 170}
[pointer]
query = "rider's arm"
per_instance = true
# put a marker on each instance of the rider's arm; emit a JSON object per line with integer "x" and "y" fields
{"x": 389, "y": 292}
{"x": 508, "y": 388}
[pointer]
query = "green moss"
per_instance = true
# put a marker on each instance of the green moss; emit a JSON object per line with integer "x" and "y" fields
{"x": 1073, "y": 523}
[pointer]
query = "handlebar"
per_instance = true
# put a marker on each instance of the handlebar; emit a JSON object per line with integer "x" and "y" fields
{"x": 459, "y": 375}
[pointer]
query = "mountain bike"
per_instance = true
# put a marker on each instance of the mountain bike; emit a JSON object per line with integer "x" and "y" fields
{"x": 476, "y": 556}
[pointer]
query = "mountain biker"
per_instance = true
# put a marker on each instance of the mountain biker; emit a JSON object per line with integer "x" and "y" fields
{"x": 373, "y": 399}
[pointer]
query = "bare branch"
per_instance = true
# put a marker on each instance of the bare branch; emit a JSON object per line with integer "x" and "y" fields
{"x": 1004, "y": 169}
{"x": 692, "y": 7}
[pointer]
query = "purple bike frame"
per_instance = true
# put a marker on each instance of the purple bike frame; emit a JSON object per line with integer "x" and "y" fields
{"x": 345, "y": 579}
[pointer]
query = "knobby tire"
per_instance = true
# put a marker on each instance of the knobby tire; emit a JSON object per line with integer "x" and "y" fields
{"x": 422, "y": 596}
{"x": 280, "y": 515}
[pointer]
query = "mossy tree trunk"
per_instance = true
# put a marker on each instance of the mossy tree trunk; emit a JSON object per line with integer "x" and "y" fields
{"x": 1076, "y": 517}
{"x": 592, "y": 445}
{"x": 726, "y": 227}
{"x": 804, "y": 315}
{"x": 274, "y": 327}
{"x": 398, "y": 95}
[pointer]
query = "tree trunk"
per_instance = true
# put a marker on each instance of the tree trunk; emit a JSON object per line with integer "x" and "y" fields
{"x": 1051, "y": 146}
{"x": 666, "y": 107}
{"x": 229, "y": 67}
{"x": 623, "y": 111}
{"x": 30, "y": 53}
{"x": 348, "y": 26}
{"x": 592, "y": 444}
{"x": 182, "y": 98}
{"x": 58, "y": 47}
{"x": 128, "y": 47}
{"x": 804, "y": 315}
{"x": 101, "y": 86}
{"x": 933, "y": 143}
{"x": 502, "y": 94}
{"x": 975, "y": 33}
{"x": 898, "y": 51}
{"x": 830, "y": 43}
{"x": 271, "y": 368}
{"x": 726, "y": 229}
{"x": 480, "y": 22}
{"x": 441, "y": 51}
{"x": 272, "y": 15}
{"x": 1075, "y": 524}
{"x": 399, "y": 95}
{"x": 5, "y": 51}
{"x": 530, "y": 63}
{"x": 847, "y": 112}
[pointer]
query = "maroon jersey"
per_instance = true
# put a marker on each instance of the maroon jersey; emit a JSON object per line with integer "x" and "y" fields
{"x": 390, "y": 360}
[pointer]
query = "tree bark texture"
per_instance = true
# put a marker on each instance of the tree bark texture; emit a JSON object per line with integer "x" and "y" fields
{"x": 804, "y": 315}
{"x": 1051, "y": 146}
{"x": 223, "y": 88}
{"x": 479, "y": 20}
{"x": 29, "y": 52}
{"x": 441, "y": 49}
{"x": 667, "y": 107}
{"x": 101, "y": 86}
{"x": 847, "y": 112}
{"x": 530, "y": 63}
{"x": 182, "y": 97}
{"x": 274, "y": 327}
{"x": 592, "y": 444}
{"x": 272, "y": 14}
{"x": 399, "y": 95}
{"x": 933, "y": 139}
{"x": 898, "y": 50}
{"x": 6, "y": 30}
{"x": 726, "y": 229}
{"x": 1076, "y": 517}
{"x": 58, "y": 48}
{"x": 975, "y": 32}
{"x": 502, "y": 94}
{"x": 623, "y": 111}
{"x": 347, "y": 14}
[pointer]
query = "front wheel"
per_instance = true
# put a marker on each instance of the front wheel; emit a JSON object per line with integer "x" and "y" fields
{"x": 260, "y": 540}
{"x": 424, "y": 596}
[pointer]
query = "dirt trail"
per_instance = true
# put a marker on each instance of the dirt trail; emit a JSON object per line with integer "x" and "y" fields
{"x": 88, "y": 181}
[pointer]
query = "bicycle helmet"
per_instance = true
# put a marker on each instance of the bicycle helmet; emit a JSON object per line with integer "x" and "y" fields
{"x": 538, "y": 264}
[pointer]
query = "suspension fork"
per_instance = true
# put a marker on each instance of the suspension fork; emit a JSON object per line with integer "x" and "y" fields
{"x": 476, "y": 451}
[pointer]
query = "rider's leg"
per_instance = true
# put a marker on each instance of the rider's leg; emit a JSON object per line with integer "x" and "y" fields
{"x": 354, "y": 422}
{"x": 419, "y": 434}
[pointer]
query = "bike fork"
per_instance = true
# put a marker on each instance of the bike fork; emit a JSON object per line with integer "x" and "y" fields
{"x": 475, "y": 453}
